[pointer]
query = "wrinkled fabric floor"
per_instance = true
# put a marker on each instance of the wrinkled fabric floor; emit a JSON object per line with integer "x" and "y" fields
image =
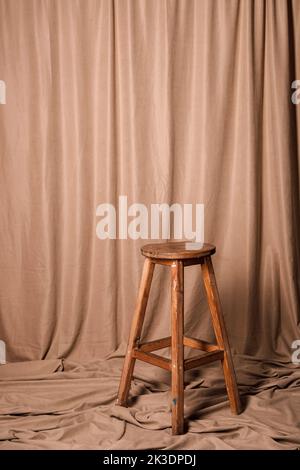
{"x": 58, "y": 404}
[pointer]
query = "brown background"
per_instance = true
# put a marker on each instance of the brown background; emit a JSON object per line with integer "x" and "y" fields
{"x": 163, "y": 101}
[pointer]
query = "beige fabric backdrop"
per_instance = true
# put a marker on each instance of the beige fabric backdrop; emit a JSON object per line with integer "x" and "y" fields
{"x": 163, "y": 101}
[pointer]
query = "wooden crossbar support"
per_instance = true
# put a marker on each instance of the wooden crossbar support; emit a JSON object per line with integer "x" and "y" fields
{"x": 199, "y": 344}
{"x": 164, "y": 363}
{"x": 203, "y": 359}
{"x": 187, "y": 341}
{"x": 177, "y": 256}
{"x": 153, "y": 359}
{"x": 155, "y": 345}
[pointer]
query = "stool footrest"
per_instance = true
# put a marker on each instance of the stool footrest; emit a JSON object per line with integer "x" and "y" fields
{"x": 143, "y": 353}
{"x": 203, "y": 359}
{"x": 187, "y": 341}
{"x": 176, "y": 256}
{"x": 199, "y": 344}
{"x": 153, "y": 359}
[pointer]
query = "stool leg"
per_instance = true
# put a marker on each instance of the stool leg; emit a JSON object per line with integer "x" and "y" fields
{"x": 221, "y": 333}
{"x": 177, "y": 307}
{"x": 135, "y": 332}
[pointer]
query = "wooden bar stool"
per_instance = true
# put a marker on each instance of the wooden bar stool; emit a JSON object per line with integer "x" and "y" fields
{"x": 177, "y": 255}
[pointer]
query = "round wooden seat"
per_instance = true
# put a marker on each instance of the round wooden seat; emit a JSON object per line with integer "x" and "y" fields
{"x": 178, "y": 250}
